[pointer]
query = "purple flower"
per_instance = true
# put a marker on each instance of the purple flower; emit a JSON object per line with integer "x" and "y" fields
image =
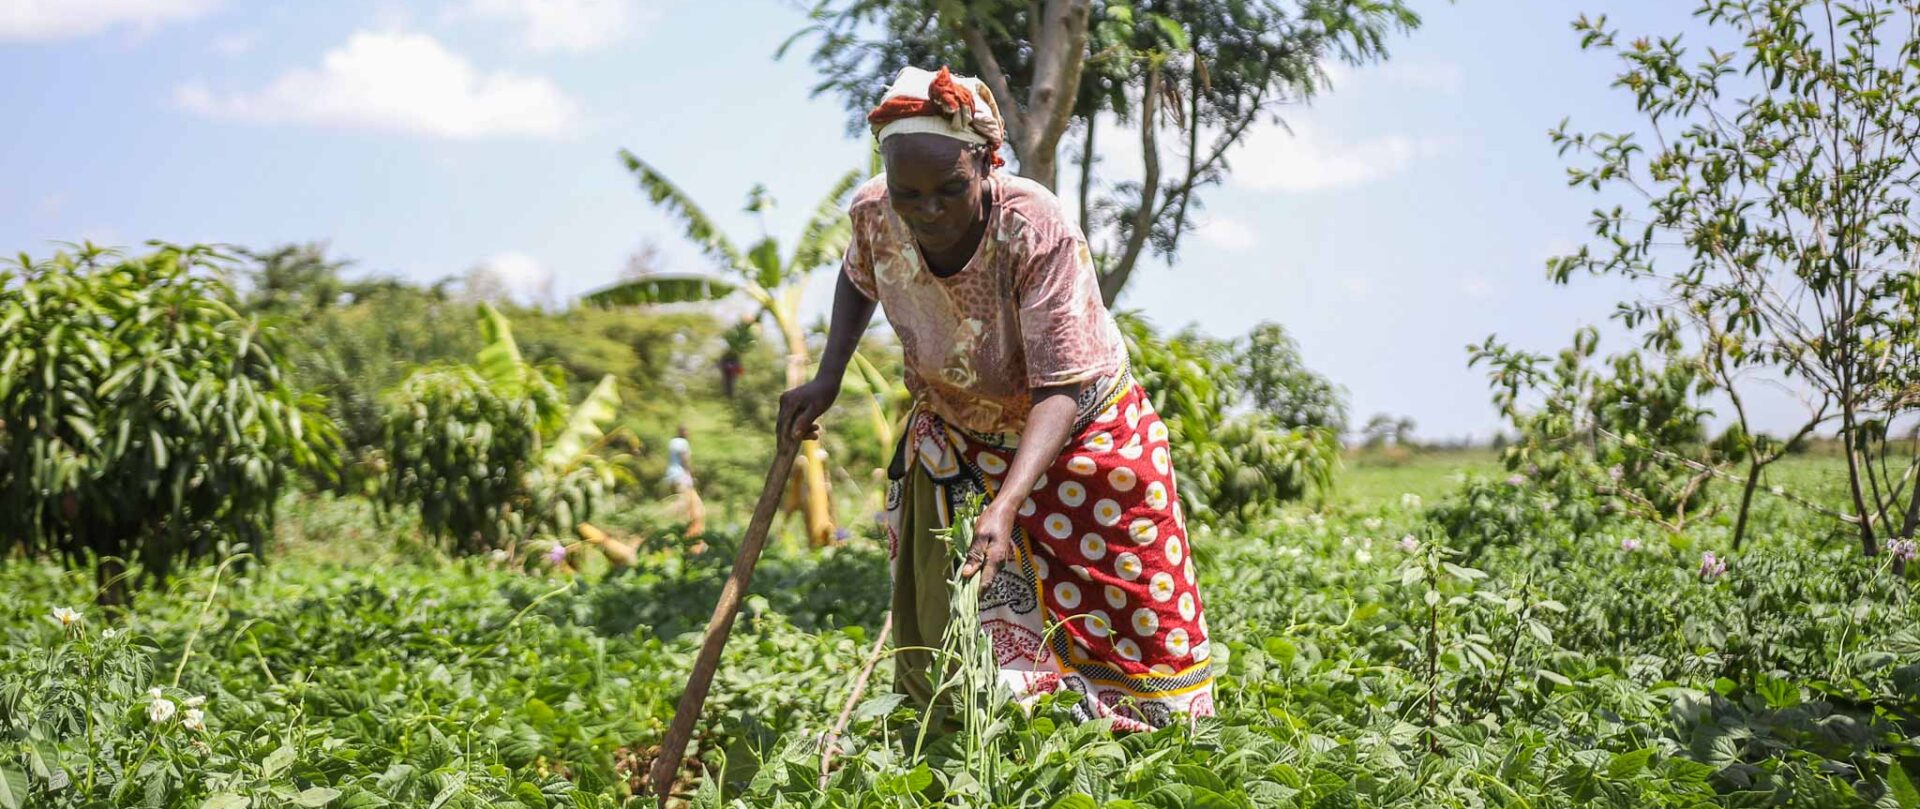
{"x": 1409, "y": 544}
{"x": 1906, "y": 550}
{"x": 841, "y": 534}
{"x": 557, "y": 553}
{"x": 1711, "y": 567}
{"x": 1630, "y": 545}
{"x": 1516, "y": 480}
{"x": 1617, "y": 474}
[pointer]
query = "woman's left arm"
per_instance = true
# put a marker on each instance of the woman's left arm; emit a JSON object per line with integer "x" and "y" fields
{"x": 1048, "y": 426}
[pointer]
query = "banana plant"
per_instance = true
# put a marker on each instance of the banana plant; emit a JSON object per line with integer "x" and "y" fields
{"x": 759, "y": 273}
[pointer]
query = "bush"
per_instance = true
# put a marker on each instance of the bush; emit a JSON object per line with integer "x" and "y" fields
{"x": 1633, "y": 434}
{"x": 141, "y": 418}
{"x": 491, "y": 454}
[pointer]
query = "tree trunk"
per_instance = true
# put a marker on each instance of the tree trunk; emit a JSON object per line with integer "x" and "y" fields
{"x": 1849, "y": 440}
{"x": 1746, "y": 501}
{"x": 1142, "y": 224}
{"x": 1059, "y": 47}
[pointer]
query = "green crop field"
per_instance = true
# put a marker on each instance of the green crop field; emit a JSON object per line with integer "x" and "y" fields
{"x": 1553, "y": 670}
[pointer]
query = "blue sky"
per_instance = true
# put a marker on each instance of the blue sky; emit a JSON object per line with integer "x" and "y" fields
{"x": 1406, "y": 213}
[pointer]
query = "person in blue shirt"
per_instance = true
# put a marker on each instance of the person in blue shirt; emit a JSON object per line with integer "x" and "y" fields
{"x": 680, "y": 477}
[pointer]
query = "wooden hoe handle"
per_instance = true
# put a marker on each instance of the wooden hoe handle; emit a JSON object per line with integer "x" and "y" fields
{"x": 694, "y": 699}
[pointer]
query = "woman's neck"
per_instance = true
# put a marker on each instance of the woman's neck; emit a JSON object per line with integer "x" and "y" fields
{"x": 951, "y": 261}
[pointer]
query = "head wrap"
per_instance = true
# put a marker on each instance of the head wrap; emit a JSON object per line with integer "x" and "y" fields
{"x": 961, "y": 108}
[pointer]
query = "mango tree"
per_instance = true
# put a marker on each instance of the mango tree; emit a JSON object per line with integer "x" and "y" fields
{"x": 142, "y": 420}
{"x": 759, "y": 273}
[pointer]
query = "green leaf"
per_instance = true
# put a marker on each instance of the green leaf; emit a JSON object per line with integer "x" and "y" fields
{"x": 277, "y": 761}
{"x": 1077, "y": 800}
{"x": 659, "y": 288}
{"x": 500, "y": 362}
{"x": 317, "y": 796}
{"x": 919, "y": 779}
{"x": 764, "y": 258}
{"x": 1900, "y": 787}
{"x": 700, "y": 228}
{"x": 829, "y": 231}
{"x": 226, "y": 800}
{"x": 13, "y": 788}
{"x": 1176, "y": 35}
{"x": 1626, "y": 765}
{"x": 1777, "y": 692}
{"x": 586, "y": 425}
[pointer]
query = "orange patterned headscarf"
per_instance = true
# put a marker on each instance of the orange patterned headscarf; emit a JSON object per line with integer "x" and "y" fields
{"x": 939, "y": 103}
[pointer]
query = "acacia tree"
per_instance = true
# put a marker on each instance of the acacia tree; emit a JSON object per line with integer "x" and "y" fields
{"x": 141, "y": 418}
{"x": 1203, "y": 71}
{"x": 1773, "y": 190}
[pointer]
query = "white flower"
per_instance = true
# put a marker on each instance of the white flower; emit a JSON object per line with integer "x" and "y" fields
{"x": 109, "y": 633}
{"x": 160, "y": 710}
{"x": 195, "y": 701}
{"x": 66, "y": 616}
{"x": 154, "y": 692}
{"x": 498, "y": 555}
{"x": 1373, "y": 523}
{"x": 1410, "y": 500}
{"x": 1409, "y": 544}
{"x": 194, "y": 719}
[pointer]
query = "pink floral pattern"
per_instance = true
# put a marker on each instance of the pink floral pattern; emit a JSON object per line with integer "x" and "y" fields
{"x": 1024, "y": 313}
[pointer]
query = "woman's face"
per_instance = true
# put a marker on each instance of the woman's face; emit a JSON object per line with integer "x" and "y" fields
{"x": 937, "y": 185}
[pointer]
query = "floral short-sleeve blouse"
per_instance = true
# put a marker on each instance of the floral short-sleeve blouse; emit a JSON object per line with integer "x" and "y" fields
{"x": 1024, "y": 313}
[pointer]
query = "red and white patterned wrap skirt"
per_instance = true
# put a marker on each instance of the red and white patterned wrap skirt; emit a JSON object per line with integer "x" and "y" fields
{"x": 1101, "y": 597}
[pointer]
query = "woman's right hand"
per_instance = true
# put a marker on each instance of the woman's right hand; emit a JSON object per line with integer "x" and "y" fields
{"x": 802, "y": 407}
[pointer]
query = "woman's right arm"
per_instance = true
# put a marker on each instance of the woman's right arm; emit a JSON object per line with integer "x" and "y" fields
{"x": 802, "y": 406}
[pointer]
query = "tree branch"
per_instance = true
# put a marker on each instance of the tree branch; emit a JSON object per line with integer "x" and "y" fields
{"x": 996, "y": 79}
{"x": 1143, "y": 214}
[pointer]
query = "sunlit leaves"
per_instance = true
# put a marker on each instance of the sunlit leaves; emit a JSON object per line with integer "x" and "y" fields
{"x": 140, "y": 416}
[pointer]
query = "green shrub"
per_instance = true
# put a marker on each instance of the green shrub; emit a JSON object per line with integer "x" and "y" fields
{"x": 1632, "y": 435}
{"x": 141, "y": 418}
{"x": 491, "y": 454}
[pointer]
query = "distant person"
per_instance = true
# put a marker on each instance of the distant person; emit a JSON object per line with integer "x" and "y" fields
{"x": 680, "y": 477}
{"x": 729, "y": 372}
{"x": 1022, "y": 394}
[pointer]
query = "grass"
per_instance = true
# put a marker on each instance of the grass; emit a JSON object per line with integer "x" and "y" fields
{"x": 1370, "y": 480}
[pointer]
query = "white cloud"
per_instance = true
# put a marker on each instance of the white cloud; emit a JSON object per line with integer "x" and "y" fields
{"x": 1272, "y": 159}
{"x": 569, "y": 25}
{"x": 62, "y": 19}
{"x": 401, "y": 83}
{"x": 1445, "y": 78}
{"x": 235, "y": 44}
{"x": 1229, "y": 234}
{"x": 513, "y": 275}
